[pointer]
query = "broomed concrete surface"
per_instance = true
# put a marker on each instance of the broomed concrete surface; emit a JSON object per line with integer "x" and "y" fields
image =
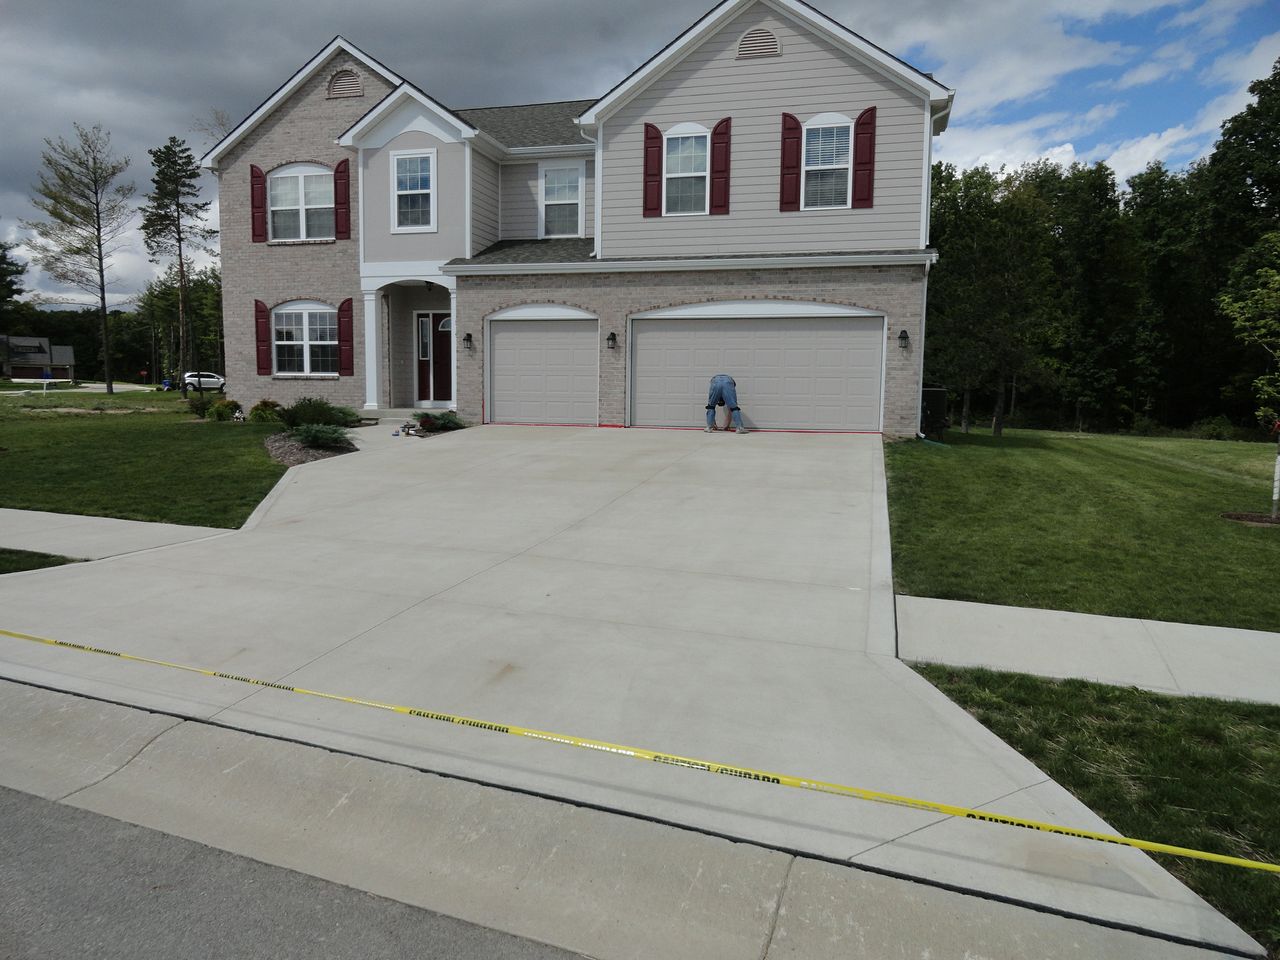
{"x": 77, "y": 883}
{"x": 1177, "y": 658}
{"x": 713, "y": 596}
{"x": 90, "y": 538}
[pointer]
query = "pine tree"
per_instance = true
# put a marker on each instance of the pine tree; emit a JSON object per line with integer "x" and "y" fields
{"x": 88, "y": 213}
{"x": 173, "y": 225}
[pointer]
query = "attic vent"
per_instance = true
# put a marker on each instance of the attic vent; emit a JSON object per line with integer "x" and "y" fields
{"x": 345, "y": 83}
{"x": 758, "y": 43}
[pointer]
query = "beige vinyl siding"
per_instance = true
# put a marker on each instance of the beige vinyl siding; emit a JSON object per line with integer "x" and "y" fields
{"x": 810, "y": 77}
{"x": 448, "y": 182}
{"x": 520, "y": 200}
{"x": 484, "y": 202}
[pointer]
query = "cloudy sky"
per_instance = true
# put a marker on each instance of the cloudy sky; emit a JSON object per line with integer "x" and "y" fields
{"x": 1125, "y": 81}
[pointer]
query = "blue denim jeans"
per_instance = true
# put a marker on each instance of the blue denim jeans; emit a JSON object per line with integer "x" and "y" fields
{"x": 723, "y": 391}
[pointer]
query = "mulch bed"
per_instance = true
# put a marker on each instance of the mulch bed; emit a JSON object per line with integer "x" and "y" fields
{"x": 1253, "y": 519}
{"x": 284, "y": 449}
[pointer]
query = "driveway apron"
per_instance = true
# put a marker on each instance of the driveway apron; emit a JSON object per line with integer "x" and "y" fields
{"x": 710, "y": 595}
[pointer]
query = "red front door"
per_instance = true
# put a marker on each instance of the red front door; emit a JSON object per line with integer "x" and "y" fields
{"x": 442, "y": 365}
{"x": 426, "y": 323}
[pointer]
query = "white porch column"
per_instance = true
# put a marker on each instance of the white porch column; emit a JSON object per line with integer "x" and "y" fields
{"x": 453, "y": 342}
{"x": 371, "y": 349}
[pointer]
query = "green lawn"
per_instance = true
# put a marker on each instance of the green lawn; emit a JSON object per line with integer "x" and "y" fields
{"x": 1123, "y": 526}
{"x": 1187, "y": 771}
{"x": 151, "y": 460}
{"x": 11, "y": 561}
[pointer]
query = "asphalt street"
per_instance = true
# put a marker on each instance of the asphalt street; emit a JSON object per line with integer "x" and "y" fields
{"x": 77, "y": 884}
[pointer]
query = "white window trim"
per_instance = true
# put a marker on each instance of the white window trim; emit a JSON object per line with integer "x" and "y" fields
{"x": 435, "y": 189}
{"x": 543, "y": 166}
{"x": 826, "y": 120}
{"x": 297, "y": 171}
{"x": 687, "y": 130}
{"x": 303, "y": 307}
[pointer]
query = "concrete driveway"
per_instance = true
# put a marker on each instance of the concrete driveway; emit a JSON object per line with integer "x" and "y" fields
{"x": 715, "y": 596}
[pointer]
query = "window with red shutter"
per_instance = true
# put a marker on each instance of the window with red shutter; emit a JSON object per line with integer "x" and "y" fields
{"x": 864, "y": 157}
{"x": 789, "y": 181}
{"x": 342, "y": 200}
{"x": 720, "y": 152}
{"x": 652, "y": 171}
{"x": 258, "y": 203}
{"x": 262, "y": 328}
{"x": 346, "y": 340}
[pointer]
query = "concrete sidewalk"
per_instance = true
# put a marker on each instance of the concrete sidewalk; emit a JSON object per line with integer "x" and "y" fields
{"x": 1178, "y": 658}
{"x": 609, "y": 887}
{"x": 91, "y": 538}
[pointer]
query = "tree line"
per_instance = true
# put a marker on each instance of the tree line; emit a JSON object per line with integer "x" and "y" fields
{"x": 87, "y": 214}
{"x": 1062, "y": 300}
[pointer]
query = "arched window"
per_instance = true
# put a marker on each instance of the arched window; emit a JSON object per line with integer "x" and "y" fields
{"x": 300, "y": 202}
{"x": 305, "y": 337}
{"x": 345, "y": 83}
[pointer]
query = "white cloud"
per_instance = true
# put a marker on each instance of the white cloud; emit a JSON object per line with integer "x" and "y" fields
{"x": 1046, "y": 136}
{"x": 1169, "y": 60}
{"x": 1212, "y": 18}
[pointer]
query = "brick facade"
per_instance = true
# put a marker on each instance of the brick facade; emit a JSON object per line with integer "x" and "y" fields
{"x": 897, "y": 291}
{"x": 301, "y": 129}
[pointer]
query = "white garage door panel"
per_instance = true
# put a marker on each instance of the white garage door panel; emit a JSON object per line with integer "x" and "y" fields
{"x": 544, "y": 371}
{"x": 799, "y": 374}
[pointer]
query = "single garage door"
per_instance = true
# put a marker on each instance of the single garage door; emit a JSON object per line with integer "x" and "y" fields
{"x": 544, "y": 371}
{"x": 796, "y": 373}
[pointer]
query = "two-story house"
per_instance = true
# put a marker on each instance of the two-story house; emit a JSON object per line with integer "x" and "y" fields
{"x": 753, "y": 200}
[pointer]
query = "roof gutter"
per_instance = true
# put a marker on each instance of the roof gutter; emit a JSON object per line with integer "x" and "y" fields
{"x": 903, "y": 258}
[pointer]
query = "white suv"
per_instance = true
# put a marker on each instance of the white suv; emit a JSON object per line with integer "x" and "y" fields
{"x": 204, "y": 381}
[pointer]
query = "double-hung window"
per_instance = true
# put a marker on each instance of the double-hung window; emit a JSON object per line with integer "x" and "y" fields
{"x": 827, "y": 167}
{"x": 306, "y": 337}
{"x": 300, "y": 202}
{"x": 685, "y": 151}
{"x": 413, "y": 193}
{"x": 560, "y": 197}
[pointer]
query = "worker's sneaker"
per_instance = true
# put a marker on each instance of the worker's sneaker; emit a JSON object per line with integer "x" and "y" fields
{"x": 708, "y": 429}
{"x": 741, "y": 430}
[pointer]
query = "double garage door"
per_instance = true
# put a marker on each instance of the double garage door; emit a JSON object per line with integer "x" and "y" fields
{"x": 818, "y": 373}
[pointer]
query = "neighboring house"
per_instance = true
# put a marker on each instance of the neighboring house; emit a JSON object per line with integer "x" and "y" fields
{"x": 34, "y": 358}
{"x": 754, "y": 200}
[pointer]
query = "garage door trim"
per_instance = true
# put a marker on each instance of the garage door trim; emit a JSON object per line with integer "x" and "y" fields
{"x": 532, "y": 313}
{"x": 783, "y": 310}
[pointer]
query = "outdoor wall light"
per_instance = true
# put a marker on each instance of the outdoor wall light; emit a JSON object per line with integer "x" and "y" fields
{"x": 467, "y": 342}
{"x": 904, "y": 339}
{"x": 612, "y": 341}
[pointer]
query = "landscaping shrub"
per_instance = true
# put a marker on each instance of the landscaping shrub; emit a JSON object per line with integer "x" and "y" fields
{"x": 199, "y": 404}
{"x": 265, "y": 411}
{"x": 223, "y": 410}
{"x": 445, "y": 420}
{"x": 316, "y": 410}
{"x": 322, "y": 436}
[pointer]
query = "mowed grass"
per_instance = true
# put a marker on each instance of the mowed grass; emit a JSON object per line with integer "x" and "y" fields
{"x": 1186, "y": 771}
{"x": 12, "y": 561}
{"x": 141, "y": 457}
{"x": 1122, "y": 526}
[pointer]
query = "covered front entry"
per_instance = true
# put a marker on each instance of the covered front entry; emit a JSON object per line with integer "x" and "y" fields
{"x": 418, "y": 338}
{"x": 544, "y": 366}
{"x": 795, "y": 369}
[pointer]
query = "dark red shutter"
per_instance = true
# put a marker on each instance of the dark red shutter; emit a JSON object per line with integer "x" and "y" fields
{"x": 346, "y": 341}
{"x": 652, "y": 171}
{"x": 789, "y": 182}
{"x": 342, "y": 201}
{"x": 262, "y": 327}
{"x": 864, "y": 157}
{"x": 720, "y": 165}
{"x": 258, "y": 202}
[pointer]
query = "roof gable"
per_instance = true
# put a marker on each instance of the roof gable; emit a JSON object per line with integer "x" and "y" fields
{"x": 285, "y": 90}
{"x": 842, "y": 37}
{"x": 441, "y": 121}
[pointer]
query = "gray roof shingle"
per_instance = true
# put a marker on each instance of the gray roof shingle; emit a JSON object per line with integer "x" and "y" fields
{"x": 530, "y": 124}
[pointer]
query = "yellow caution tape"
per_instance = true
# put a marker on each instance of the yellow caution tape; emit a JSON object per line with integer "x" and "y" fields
{"x": 706, "y": 766}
